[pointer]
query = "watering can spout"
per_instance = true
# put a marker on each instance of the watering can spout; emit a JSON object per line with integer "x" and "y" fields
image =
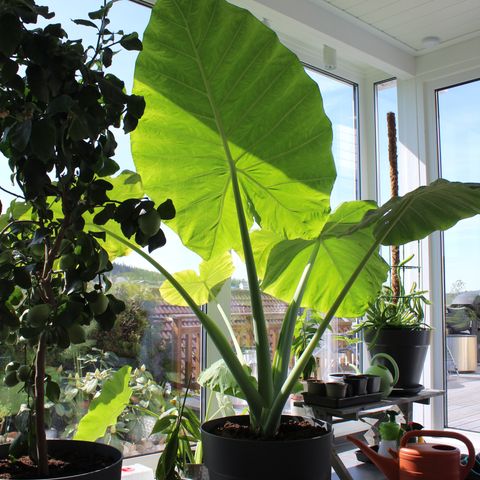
{"x": 388, "y": 466}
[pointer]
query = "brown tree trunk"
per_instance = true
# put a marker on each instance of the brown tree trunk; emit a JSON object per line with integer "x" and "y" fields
{"x": 40, "y": 436}
{"x": 392, "y": 157}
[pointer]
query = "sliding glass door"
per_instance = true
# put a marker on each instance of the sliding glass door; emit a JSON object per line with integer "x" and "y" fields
{"x": 458, "y": 130}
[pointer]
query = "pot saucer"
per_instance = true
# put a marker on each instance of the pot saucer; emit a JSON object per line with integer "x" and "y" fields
{"x": 406, "y": 391}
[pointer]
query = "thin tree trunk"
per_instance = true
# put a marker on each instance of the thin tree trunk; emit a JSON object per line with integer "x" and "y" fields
{"x": 40, "y": 408}
{"x": 392, "y": 157}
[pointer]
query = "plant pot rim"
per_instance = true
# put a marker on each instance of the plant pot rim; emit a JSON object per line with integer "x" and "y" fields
{"x": 401, "y": 328}
{"x": 321, "y": 423}
{"x": 117, "y": 456}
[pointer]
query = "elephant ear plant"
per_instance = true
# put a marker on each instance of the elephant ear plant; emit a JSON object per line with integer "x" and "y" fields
{"x": 58, "y": 108}
{"x": 235, "y": 133}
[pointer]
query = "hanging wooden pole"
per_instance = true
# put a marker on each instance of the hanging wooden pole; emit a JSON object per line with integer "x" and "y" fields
{"x": 393, "y": 160}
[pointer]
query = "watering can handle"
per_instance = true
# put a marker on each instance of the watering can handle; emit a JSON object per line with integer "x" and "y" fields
{"x": 464, "y": 469}
{"x": 392, "y": 362}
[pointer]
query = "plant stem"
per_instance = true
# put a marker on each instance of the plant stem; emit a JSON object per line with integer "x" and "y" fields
{"x": 231, "y": 332}
{"x": 254, "y": 400}
{"x": 265, "y": 378}
{"x": 287, "y": 387}
{"x": 40, "y": 436}
{"x": 284, "y": 347}
{"x": 393, "y": 160}
{"x": 49, "y": 296}
{"x": 99, "y": 37}
{"x": 12, "y": 193}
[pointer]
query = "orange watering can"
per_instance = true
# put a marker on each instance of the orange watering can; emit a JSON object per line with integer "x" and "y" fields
{"x": 426, "y": 461}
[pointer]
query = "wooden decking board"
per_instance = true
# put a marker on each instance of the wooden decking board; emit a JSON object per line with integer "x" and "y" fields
{"x": 463, "y": 407}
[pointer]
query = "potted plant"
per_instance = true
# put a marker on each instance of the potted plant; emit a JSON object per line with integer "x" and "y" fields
{"x": 235, "y": 133}
{"x": 395, "y": 324}
{"x": 58, "y": 107}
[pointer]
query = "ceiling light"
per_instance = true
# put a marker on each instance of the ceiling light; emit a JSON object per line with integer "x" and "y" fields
{"x": 430, "y": 42}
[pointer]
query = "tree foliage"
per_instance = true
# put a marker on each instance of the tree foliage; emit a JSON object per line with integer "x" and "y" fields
{"x": 58, "y": 108}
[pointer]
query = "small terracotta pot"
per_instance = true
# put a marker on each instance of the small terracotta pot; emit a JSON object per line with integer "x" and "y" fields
{"x": 336, "y": 389}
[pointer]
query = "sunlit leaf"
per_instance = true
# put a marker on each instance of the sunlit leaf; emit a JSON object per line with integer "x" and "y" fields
{"x": 218, "y": 378}
{"x": 223, "y": 102}
{"x": 202, "y": 286}
{"x": 284, "y": 261}
{"x": 106, "y": 408}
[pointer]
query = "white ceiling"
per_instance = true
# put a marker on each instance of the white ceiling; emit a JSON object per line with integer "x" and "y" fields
{"x": 405, "y": 23}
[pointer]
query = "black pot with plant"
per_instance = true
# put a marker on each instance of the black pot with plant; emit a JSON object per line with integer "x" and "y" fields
{"x": 58, "y": 107}
{"x": 395, "y": 325}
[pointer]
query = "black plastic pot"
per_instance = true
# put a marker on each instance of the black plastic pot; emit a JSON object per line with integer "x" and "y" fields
{"x": 407, "y": 347}
{"x": 57, "y": 448}
{"x": 239, "y": 459}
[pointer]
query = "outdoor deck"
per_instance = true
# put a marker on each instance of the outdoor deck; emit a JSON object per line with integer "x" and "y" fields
{"x": 462, "y": 400}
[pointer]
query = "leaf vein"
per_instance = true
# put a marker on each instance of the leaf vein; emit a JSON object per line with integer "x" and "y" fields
{"x": 227, "y": 49}
{"x": 273, "y": 128}
{"x": 256, "y": 101}
{"x": 245, "y": 70}
{"x": 207, "y": 30}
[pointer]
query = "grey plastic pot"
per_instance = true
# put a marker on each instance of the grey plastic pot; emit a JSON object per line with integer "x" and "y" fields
{"x": 240, "y": 459}
{"x": 57, "y": 448}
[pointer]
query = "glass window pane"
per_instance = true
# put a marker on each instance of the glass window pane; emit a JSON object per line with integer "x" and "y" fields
{"x": 385, "y": 102}
{"x": 339, "y": 102}
{"x": 459, "y": 135}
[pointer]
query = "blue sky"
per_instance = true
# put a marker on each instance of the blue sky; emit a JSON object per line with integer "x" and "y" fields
{"x": 459, "y": 118}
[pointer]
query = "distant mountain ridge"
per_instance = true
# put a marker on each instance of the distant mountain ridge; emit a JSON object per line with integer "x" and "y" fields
{"x": 134, "y": 274}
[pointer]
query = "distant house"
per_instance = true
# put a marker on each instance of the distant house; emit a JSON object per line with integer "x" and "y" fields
{"x": 178, "y": 329}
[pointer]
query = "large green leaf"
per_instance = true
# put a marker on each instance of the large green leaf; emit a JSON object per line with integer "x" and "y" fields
{"x": 105, "y": 409}
{"x": 225, "y": 99}
{"x": 438, "y": 206}
{"x": 202, "y": 286}
{"x": 284, "y": 261}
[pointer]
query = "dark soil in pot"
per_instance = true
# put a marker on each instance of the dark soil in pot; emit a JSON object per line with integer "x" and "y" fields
{"x": 301, "y": 451}
{"x": 68, "y": 459}
{"x": 291, "y": 429}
